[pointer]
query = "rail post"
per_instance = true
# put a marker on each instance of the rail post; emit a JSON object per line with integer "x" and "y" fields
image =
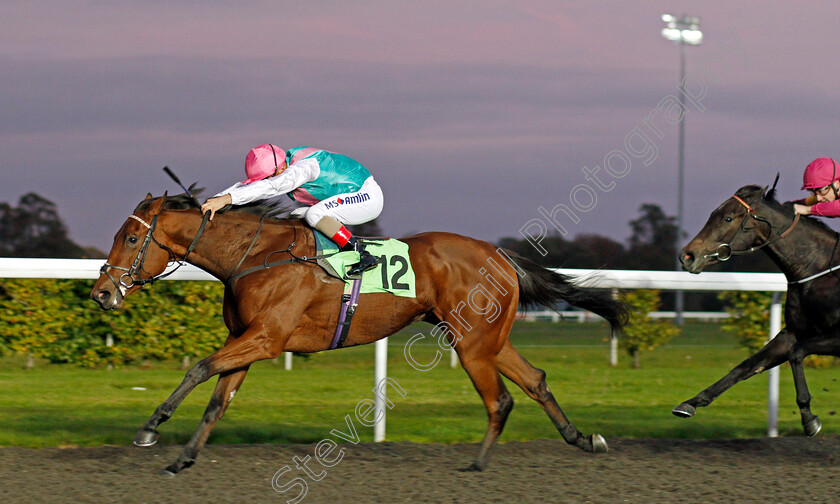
{"x": 380, "y": 374}
{"x": 614, "y": 339}
{"x": 773, "y": 374}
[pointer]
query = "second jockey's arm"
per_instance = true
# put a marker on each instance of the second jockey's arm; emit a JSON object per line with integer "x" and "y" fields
{"x": 803, "y": 206}
{"x": 826, "y": 209}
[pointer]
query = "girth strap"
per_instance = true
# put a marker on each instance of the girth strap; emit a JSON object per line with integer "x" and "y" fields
{"x": 349, "y": 302}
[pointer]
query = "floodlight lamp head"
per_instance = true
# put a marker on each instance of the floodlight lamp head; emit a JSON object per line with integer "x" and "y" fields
{"x": 671, "y": 33}
{"x": 692, "y": 37}
{"x": 685, "y": 30}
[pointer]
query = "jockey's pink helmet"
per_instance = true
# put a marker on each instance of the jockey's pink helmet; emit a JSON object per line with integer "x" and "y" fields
{"x": 820, "y": 173}
{"x": 262, "y": 162}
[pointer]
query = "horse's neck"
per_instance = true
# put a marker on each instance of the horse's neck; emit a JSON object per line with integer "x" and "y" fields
{"x": 226, "y": 240}
{"x": 805, "y": 251}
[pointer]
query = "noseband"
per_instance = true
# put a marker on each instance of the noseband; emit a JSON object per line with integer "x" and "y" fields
{"x": 750, "y": 214}
{"x": 131, "y": 273}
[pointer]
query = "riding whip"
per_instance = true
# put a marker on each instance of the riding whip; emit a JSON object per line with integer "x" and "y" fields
{"x": 178, "y": 181}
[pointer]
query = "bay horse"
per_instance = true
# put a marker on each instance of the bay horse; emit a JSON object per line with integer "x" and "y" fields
{"x": 806, "y": 250}
{"x": 294, "y": 307}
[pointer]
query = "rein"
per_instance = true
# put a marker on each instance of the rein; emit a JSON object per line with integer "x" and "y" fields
{"x": 139, "y": 261}
{"x": 234, "y": 275}
{"x": 129, "y": 278}
{"x": 751, "y": 213}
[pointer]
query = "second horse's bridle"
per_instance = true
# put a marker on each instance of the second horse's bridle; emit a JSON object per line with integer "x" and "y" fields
{"x": 750, "y": 214}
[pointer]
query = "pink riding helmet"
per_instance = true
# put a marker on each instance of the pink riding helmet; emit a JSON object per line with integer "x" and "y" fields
{"x": 262, "y": 162}
{"x": 820, "y": 173}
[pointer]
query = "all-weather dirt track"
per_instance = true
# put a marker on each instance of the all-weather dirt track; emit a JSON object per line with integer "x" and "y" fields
{"x": 793, "y": 469}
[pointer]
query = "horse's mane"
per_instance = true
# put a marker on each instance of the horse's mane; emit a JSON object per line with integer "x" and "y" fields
{"x": 750, "y": 192}
{"x": 185, "y": 202}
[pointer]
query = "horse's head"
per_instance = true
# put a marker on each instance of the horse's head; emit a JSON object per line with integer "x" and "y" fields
{"x": 732, "y": 227}
{"x": 136, "y": 257}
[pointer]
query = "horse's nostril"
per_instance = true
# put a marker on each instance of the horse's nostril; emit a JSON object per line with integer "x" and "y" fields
{"x": 103, "y": 295}
{"x": 687, "y": 258}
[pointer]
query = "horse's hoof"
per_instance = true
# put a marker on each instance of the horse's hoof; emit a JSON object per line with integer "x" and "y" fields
{"x": 472, "y": 468}
{"x": 684, "y": 410}
{"x": 145, "y": 438}
{"x": 167, "y": 473}
{"x": 599, "y": 444}
{"x": 813, "y": 427}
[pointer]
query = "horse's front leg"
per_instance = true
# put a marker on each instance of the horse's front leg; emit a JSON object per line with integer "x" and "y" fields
{"x": 226, "y": 388}
{"x": 233, "y": 358}
{"x": 774, "y": 353}
{"x": 250, "y": 347}
{"x": 147, "y": 435}
{"x": 810, "y": 422}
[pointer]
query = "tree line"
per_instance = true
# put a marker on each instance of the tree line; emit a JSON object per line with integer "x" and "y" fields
{"x": 34, "y": 229}
{"x": 653, "y": 245}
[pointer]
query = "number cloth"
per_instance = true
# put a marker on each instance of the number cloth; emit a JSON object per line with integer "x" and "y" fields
{"x": 393, "y": 274}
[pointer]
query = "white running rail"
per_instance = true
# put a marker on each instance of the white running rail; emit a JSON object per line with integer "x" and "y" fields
{"x": 608, "y": 279}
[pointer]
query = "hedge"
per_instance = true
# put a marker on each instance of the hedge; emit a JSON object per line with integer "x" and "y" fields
{"x": 57, "y": 321}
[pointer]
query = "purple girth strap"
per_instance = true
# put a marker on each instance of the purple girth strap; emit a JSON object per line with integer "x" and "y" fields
{"x": 349, "y": 302}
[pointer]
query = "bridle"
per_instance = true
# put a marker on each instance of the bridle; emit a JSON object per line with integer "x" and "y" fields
{"x": 131, "y": 273}
{"x": 750, "y": 214}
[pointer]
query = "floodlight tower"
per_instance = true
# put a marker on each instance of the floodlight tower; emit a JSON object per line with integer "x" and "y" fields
{"x": 684, "y": 31}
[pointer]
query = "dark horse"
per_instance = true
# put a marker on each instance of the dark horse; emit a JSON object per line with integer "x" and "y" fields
{"x": 749, "y": 221}
{"x": 295, "y": 306}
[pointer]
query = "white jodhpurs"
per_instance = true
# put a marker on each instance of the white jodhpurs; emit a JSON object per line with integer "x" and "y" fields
{"x": 349, "y": 208}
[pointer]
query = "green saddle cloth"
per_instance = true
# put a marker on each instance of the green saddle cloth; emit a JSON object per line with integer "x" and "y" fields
{"x": 393, "y": 274}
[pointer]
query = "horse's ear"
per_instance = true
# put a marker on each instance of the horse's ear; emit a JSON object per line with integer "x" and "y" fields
{"x": 148, "y": 196}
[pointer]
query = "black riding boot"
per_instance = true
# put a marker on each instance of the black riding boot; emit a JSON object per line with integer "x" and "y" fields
{"x": 366, "y": 261}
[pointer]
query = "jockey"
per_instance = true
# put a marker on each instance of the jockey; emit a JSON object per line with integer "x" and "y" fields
{"x": 822, "y": 178}
{"x": 336, "y": 190}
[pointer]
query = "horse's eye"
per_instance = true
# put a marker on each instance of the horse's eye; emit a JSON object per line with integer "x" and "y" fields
{"x": 131, "y": 240}
{"x": 728, "y": 219}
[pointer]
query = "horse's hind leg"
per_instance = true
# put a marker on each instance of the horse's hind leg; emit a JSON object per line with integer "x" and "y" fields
{"x": 774, "y": 353}
{"x": 532, "y": 381}
{"x": 487, "y": 381}
{"x": 226, "y": 388}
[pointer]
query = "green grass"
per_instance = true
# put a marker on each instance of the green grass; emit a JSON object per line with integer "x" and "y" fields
{"x": 64, "y": 405}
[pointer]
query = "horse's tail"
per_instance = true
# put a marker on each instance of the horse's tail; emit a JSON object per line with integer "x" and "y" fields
{"x": 543, "y": 287}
